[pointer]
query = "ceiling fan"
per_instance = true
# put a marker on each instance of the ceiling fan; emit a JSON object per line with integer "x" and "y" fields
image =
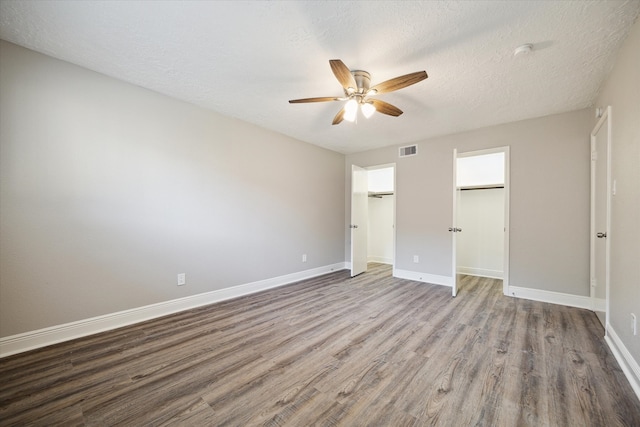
{"x": 358, "y": 92}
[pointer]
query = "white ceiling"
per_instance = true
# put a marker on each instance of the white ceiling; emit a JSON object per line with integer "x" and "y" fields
{"x": 247, "y": 59}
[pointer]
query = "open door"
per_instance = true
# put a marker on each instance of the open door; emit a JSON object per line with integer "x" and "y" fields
{"x": 359, "y": 219}
{"x": 600, "y": 214}
{"x": 454, "y": 225}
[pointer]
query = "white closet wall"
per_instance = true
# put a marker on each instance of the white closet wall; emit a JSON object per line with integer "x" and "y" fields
{"x": 381, "y": 229}
{"x": 481, "y": 244}
{"x": 381, "y": 212}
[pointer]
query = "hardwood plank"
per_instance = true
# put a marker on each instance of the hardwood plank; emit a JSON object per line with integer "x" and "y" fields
{"x": 333, "y": 351}
{"x": 197, "y": 414}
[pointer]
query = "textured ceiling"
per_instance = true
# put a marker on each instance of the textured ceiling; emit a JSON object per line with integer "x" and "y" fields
{"x": 247, "y": 59}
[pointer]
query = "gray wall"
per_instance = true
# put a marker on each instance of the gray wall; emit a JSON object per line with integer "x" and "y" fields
{"x": 549, "y": 213}
{"x": 107, "y": 191}
{"x": 622, "y": 92}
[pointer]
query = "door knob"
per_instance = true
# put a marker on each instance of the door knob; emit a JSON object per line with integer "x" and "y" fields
{"x": 601, "y": 235}
{"x": 450, "y": 229}
{"x": 353, "y": 226}
{"x": 458, "y": 230}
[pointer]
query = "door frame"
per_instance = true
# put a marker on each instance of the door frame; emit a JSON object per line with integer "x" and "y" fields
{"x": 605, "y": 118}
{"x": 507, "y": 178}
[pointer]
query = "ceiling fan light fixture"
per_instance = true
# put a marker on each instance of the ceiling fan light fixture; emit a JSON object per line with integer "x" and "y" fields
{"x": 368, "y": 109}
{"x": 350, "y": 110}
{"x": 357, "y": 88}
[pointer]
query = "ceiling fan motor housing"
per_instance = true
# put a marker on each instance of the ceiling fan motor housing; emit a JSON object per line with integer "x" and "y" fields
{"x": 363, "y": 81}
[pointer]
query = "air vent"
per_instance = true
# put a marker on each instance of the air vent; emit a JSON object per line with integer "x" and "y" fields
{"x": 409, "y": 150}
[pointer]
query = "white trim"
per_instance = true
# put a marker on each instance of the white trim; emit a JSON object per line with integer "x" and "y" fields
{"x": 551, "y": 297}
{"x": 599, "y": 304}
{"x": 423, "y": 277}
{"x": 381, "y": 260}
{"x": 481, "y": 272}
{"x": 55, "y": 334}
{"x": 625, "y": 359}
{"x": 482, "y": 151}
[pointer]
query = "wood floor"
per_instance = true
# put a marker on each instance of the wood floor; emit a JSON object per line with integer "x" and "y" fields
{"x": 372, "y": 350}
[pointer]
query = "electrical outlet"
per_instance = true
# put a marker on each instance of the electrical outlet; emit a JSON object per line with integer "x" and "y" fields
{"x": 304, "y": 257}
{"x": 634, "y": 324}
{"x": 182, "y": 279}
{"x": 416, "y": 259}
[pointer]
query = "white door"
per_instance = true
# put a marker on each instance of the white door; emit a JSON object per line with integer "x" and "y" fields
{"x": 454, "y": 230}
{"x": 359, "y": 219}
{"x": 600, "y": 209}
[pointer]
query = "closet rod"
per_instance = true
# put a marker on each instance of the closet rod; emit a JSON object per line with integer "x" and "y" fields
{"x": 378, "y": 195}
{"x": 479, "y": 187}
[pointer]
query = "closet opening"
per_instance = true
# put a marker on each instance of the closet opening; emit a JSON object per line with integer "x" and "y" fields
{"x": 373, "y": 210}
{"x": 381, "y": 210}
{"x": 481, "y": 215}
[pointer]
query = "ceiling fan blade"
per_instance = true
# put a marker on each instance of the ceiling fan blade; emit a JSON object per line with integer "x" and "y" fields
{"x": 339, "y": 117}
{"x": 343, "y": 74}
{"x": 319, "y": 99}
{"x": 385, "y": 108}
{"x": 399, "y": 82}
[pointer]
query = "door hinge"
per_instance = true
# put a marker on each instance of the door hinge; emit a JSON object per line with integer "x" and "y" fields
{"x": 594, "y": 156}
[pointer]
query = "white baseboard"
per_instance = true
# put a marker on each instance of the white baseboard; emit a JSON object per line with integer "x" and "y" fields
{"x": 55, "y": 334}
{"x": 381, "y": 260}
{"x": 482, "y": 272}
{"x": 423, "y": 277}
{"x": 551, "y": 297}
{"x": 599, "y": 304}
{"x": 629, "y": 366}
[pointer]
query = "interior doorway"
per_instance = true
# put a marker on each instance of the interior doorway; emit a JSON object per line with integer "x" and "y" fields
{"x": 372, "y": 216}
{"x": 481, "y": 213}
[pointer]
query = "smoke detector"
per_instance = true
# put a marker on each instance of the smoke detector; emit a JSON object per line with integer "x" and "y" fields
{"x": 523, "y": 49}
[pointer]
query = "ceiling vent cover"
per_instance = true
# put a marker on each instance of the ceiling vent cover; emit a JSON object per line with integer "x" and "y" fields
{"x": 409, "y": 150}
